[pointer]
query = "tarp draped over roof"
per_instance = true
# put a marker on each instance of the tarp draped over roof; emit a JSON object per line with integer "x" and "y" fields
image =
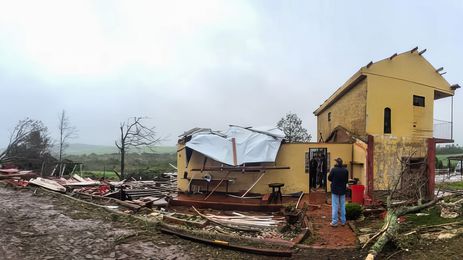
{"x": 253, "y": 145}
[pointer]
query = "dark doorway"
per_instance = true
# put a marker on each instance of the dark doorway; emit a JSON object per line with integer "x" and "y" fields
{"x": 321, "y": 156}
{"x": 414, "y": 182}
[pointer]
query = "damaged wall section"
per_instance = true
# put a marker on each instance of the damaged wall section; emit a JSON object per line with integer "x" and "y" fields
{"x": 293, "y": 155}
{"x": 388, "y": 152}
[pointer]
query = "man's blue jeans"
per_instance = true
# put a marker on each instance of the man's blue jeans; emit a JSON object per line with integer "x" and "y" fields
{"x": 338, "y": 202}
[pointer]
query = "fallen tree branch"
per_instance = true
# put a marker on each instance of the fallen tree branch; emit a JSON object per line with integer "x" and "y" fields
{"x": 385, "y": 227}
{"x": 392, "y": 229}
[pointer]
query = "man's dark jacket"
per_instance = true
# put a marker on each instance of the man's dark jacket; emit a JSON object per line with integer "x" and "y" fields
{"x": 313, "y": 166}
{"x": 339, "y": 176}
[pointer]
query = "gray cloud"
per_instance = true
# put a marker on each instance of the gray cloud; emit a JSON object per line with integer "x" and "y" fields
{"x": 208, "y": 64}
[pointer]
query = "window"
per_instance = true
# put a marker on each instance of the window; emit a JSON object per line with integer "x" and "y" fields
{"x": 418, "y": 101}
{"x": 329, "y": 116}
{"x": 387, "y": 120}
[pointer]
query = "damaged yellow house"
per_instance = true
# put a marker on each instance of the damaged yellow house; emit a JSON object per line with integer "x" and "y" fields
{"x": 389, "y": 105}
{"x": 383, "y": 113}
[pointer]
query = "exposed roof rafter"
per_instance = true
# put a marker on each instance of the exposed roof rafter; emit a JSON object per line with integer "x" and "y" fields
{"x": 393, "y": 56}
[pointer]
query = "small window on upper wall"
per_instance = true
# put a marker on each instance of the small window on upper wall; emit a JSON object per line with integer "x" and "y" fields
{"x": 418, "y": 101}
{"x": 329, "y": 116}
{"x": 387, "y": 120}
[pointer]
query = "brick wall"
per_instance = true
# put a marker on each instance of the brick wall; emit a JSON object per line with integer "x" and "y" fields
{"x": 349, "y": 111}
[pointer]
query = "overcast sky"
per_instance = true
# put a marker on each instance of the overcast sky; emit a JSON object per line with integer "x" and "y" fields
{"x": 213, "y": 63}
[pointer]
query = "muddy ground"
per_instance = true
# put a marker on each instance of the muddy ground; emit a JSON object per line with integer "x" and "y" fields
{"x": 41, "y": 225}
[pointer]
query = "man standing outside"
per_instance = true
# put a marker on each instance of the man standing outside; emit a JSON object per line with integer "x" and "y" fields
{"x": 339, "y": 176}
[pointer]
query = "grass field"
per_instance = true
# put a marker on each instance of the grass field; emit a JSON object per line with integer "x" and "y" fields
{"x": 100, "y": 174}
{"x": 443, "y": 158}
{"x": 80, "y": 149}
{"x": 451, "y": 185}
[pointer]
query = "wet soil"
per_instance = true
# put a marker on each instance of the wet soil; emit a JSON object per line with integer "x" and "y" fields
{"x": 42, "y": 225}
{"x": 326, "y": 236}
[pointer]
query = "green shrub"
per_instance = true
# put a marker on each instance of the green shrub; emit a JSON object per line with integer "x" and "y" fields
{"x": 353, "y": 211}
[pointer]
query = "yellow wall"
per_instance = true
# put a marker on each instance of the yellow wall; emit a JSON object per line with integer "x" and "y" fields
{"x": 389, "y": 83}
{"x": 410, "y": 67}
{"x": 387, "y": 154}
{"x": 349, "y": 111}
{"x": 292, "y": 155}
{"x": 407, "y": 120}
{"x": 360, "y": 161}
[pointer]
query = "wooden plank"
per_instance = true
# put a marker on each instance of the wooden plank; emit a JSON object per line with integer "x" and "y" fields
{"x": 235, "y": 160}
{"x": 224, "y": 224}
{"x": 217, "y": 186}
{"x": 299, "y": 200}
{"x": 252, "y": 186}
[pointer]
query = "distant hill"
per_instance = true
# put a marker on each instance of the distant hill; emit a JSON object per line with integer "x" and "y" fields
{"x": 79, "y": 149}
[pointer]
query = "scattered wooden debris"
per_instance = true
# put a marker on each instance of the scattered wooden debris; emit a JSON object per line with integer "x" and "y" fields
{"x": 16, "y": 174}
{"x": 48, "y": 184}
{"x": 228, "y": 225}
{"x": 226, "y": 244}
{"x": 185, "y": 219}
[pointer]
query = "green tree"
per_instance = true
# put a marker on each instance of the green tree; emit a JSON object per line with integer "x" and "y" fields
{"x": 291, "y": 125}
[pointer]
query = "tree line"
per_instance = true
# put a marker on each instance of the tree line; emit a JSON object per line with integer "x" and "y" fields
{"x": 30, "y": 144}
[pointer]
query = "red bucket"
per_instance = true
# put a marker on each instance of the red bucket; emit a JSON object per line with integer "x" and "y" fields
{"x": 357, "y": 193}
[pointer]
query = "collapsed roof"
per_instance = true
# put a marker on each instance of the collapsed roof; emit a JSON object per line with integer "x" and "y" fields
{"x": 253, "y": 145}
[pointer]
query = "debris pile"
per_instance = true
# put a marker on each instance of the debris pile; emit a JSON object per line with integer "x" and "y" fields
{"x": 12, "y": 174}
{"x": 451, "y": 209}
{"x": 132, "y": 194}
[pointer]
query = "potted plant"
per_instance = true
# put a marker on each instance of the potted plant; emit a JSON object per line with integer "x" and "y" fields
{"x": 291, "y": 213}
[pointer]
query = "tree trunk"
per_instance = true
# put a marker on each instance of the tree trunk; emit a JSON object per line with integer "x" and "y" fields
{"x": 122, "y": 163}
{"x": 60, "y": 160}
{"x": 391, "y": 226}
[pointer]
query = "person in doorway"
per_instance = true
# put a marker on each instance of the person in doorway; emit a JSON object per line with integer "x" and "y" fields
{"x": 313, "y": 165}
{"x": 323, "y": 171}
{"x": 319, "y": 170}
{"x": 339, "y": 176}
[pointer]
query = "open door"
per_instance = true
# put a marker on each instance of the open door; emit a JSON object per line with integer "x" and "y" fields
{"x": 320, "y": 158}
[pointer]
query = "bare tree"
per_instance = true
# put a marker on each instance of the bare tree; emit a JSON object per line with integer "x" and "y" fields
{"x": 66, "y": 132}
{"x": 29, "y": 140}
{"x": 133, "y": 133}
{"x": 291, "y": 125}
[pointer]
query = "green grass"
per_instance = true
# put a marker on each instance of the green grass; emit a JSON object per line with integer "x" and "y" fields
{"x": 432, "y": 219}
{"x": 451, "y": 185}
{"x": 100, "y": 174}
{"x": 443, "y": 158}
{"x": 80, "y": 149}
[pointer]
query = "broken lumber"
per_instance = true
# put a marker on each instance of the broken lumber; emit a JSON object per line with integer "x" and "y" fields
{"x": 129, "y": 205}
{"x": 224, "y": 224}
{"x": 47, "y": 184}
{"x": 228, "y": 245}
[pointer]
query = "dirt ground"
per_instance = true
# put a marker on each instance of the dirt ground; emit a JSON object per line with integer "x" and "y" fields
{"x": 325, "y": 235}
{"x": 41, "y": 225}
